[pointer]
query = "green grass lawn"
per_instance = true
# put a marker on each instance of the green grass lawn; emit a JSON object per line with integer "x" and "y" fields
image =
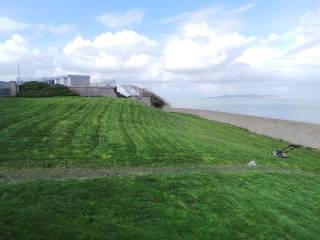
{"x": 222, "y": 199}
{"x": 186, "y": 206}
{"x": 102, "y": 132}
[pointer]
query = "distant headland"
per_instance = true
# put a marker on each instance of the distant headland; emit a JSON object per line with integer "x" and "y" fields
{"x": 246, "y": 96}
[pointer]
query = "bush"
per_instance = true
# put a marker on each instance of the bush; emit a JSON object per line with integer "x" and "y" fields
{"x": 39, "y": 89}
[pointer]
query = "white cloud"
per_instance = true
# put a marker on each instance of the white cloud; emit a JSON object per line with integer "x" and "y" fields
{"x": 184, "y": 55}
{"x": 76, "y": 44}
{"x": 241, "y": 9}
{"x": 8, "y": 25}
{"x": 13, "y": 49}
{"x": 199, "y": 47}
{"x": 123, "y": 41}
{"x": 193, "y": 16}
{"x": 203, "y": 54}
{"x": 121, "y": 51}
{"x": 58, "y": 29}
{"x": 138, "y": 61}
{"x": 260, "y": 57}
{"x": 200, "y": 57}
{"x": 17, "y": 51}
{"x": 293, "y": 52}
{"x": 217, "y": 17}
{"x": 121, "y": 20}
{"x": 11, "y": 25}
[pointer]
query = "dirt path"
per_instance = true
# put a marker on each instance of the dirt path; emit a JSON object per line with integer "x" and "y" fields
{"x": 83, "y": 173}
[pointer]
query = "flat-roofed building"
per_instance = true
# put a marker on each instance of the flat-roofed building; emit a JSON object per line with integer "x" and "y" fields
{"x": 81, "y": 84}
{"x": 69, "y": 80}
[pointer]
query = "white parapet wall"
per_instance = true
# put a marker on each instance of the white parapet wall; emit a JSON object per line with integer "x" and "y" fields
{"x": 14, "y": 89}
{"x": 306, "y": 134}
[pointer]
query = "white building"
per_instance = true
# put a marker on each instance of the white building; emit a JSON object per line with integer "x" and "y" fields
{"x": 69, "y": 80}
{"x": 8, "y": 89}
{"x": 81, "y": 84}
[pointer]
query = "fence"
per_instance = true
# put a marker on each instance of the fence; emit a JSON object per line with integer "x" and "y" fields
{"x": 103, "y": 83}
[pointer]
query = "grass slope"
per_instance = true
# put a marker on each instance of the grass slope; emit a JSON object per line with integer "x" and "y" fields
{"x": 219, "y": 199}
{"x": 187, "y": 206}
{"x": 102, "y": 132}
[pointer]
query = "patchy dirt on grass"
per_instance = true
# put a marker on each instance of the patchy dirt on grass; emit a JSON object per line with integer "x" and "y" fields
{"x": 84, "y": 173}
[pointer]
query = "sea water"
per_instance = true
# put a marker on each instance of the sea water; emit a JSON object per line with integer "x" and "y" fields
{"x": 302, "y": 110}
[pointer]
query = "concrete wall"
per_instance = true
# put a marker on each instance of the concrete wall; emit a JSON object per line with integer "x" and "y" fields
{"x": 8, "y": 89}
{"x": 14, "y": 89}
{"x": 306, "y": 134}
{"x": 146, "y": 100}
{"x": 95, "y": 91}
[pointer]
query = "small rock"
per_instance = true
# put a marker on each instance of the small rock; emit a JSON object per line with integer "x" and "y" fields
{"x": 252, "y": 164}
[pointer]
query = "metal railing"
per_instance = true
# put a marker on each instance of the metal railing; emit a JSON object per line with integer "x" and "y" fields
{"x": 103, "y": 83}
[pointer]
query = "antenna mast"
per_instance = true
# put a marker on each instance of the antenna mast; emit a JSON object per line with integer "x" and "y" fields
{"x": 19, "y": 77}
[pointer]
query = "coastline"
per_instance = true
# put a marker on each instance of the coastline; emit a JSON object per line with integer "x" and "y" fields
{"x": 306, "y": 134}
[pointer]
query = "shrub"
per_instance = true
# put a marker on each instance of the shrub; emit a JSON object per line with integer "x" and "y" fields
{"x": 39, "y": 89}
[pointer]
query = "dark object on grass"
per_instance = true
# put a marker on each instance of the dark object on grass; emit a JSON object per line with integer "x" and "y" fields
{"x": 284, "y": 153}
{"x": 40, "y": 89}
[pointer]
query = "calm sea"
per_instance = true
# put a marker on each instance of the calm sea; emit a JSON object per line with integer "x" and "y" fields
{"x": 303, "y": 110}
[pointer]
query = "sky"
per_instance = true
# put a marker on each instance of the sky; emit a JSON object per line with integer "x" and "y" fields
{"x": 176, "y": 48}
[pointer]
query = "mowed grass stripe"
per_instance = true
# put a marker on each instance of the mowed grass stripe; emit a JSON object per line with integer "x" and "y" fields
{"x": 147, "y": 127}
{"x": 10, "y": 119}
{"x": 46, "y": 112}
{"x": 36, "y": 128}
{"x": 185, "y": 206}
{"x": 102, "y": 132}
{"x": 149, "y": 136}
{"x": 112, "y": 141}
{"x": 88, "y": 132}
{"x": 137, "y": 130}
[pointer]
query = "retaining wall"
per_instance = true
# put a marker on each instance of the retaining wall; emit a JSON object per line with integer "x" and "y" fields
{"x": 95, "y": 91}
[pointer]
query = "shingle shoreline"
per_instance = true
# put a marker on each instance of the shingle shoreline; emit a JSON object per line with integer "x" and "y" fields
{"x": 306, "y": 134}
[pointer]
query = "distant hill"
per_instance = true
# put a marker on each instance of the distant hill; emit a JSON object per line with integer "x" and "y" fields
{"x": 247, "y": 96}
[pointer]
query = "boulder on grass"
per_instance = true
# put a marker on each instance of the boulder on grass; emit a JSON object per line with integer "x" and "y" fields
{"x": 252, "y": 163}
